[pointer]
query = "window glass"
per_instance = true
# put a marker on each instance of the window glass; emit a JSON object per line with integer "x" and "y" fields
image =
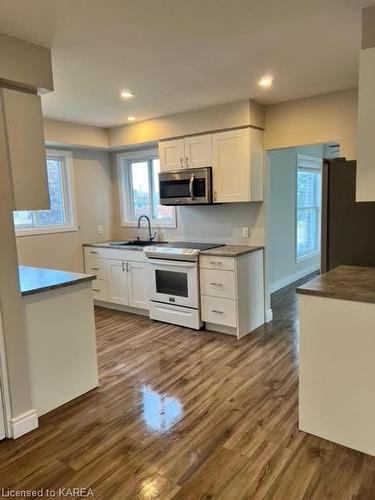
{"x": 60, "y": 214}
{"x": 139, "y": 191}
{"x": 140, "y": 184}
{"x": 308, "y": 212}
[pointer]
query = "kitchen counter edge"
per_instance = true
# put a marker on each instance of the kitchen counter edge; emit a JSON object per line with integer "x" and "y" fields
{"x": 39, "y": 279}
{"x": 352, "y": 283}
{"x": 231, "y": 250}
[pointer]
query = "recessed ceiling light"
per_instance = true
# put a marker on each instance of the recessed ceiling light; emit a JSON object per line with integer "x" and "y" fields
{"x": 127, "y": 94}
{"x": 131, "y": 118}
{"x": 266, "y": 82}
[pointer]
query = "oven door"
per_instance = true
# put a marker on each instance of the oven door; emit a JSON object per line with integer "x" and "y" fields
{"x": 188, "y": 187}
{"x": 174, "y": 282}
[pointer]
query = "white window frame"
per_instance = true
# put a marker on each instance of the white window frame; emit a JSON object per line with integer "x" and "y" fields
{"x": 309, "y": 164}
{"x": 69, "y": 196}
{"x": 124, "y": 187}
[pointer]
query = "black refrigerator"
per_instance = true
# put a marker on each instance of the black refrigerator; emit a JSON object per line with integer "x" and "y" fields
{"x": 348, "y": 227}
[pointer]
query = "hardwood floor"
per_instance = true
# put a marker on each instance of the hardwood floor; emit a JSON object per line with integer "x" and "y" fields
{"x": 187, "y": 415}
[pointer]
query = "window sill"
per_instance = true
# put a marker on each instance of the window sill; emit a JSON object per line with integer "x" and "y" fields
{"x": 154, "y": 224}
{"x": 307, "y": 257}
{"x": 49, "y": 230}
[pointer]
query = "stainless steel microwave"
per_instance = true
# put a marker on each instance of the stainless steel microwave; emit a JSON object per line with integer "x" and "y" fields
{"x": 191, "y": 186}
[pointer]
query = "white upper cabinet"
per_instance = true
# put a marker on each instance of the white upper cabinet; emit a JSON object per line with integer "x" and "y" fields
{"x": 191, "y": 152}
{"x": 23, "y": 121}
{"x": 171, "y": 154}
{"x": 237, "y": 165}
{"x": 236, "y": 157}
{"x": 198, "y": 151}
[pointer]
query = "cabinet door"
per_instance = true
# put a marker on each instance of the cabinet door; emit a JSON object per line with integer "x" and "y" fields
{"x": 198, "y": 151}
{"x": 138, "y": 285}
{"x": 25, "y": 137}
{"x": 171, "y": 155}
{"x": 117, "y": 282}
{"x": 231, "y": 166}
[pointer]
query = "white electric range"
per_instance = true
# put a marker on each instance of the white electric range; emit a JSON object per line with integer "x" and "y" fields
{"x": 174, "y": 282}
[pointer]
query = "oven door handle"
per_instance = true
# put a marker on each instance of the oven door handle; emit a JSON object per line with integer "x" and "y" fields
{"x": 191, "y": 186}
{"x": 171, "y": 263}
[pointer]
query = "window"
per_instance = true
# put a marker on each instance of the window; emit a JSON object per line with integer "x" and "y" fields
{"x": 61, "y": 215}
{"x": 308, "y": 206}
{"x": 139, "y": 190}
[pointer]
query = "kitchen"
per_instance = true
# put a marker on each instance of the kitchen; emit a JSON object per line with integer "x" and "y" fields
{"x": 141, "y": 344}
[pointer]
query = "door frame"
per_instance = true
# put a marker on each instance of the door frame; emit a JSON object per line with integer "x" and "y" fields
{"x": 4, "y": 384}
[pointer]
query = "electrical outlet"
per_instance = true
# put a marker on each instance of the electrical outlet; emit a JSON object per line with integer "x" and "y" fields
{"x": 245, "y": 232}
{"x": 100, "y": 229}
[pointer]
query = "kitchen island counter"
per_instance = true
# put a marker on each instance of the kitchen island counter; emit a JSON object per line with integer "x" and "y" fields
{"x": 60, "y": 327}
{"x": 336, "y": 357}
{"x": 39, "y": 279}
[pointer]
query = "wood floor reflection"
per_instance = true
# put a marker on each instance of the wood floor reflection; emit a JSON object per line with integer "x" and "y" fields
{"x": 188, "y": 415}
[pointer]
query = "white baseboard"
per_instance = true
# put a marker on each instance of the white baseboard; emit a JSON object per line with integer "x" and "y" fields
{"x": 22, "y": 424}
{"x": 291, "y": 279}
{"x": 269, "y": 315}
{"x": 119, "y": 307}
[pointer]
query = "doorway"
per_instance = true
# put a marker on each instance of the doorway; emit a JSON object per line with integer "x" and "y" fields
{"x": 294, "y": 212}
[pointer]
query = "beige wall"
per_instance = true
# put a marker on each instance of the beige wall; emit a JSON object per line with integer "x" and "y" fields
{"x": 315, "y": 120}
{"x": 230, "y": 115}
{"x": 368, "y": 31}
{"x": 93, "y": 186}
{"x": 24, "y": 64}
{"x": 60, "y": 133}
{"x": 365, "y": 188}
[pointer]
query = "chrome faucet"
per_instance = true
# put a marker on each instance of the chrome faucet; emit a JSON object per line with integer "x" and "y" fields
{"x": 150, "y": 236}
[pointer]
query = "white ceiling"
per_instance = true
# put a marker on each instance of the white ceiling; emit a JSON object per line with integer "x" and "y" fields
{"x": 178, "y": 55}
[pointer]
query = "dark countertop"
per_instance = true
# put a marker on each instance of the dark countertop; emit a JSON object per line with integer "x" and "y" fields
{"x": 231, "y": 250}
{"x": 352, "y": 283}
{"x": 38, "y": 279}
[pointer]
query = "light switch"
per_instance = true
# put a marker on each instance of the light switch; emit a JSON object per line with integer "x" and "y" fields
{"x": 100, "y": 229}
{"x": 245, "y": 232}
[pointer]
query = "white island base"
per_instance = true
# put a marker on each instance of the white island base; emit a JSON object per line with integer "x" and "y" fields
{"x": 337, "y": 371}
{"x": 62, "y": 345}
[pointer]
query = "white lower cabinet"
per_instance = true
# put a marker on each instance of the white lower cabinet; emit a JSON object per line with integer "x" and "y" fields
{"x": 232, "y": 292}
{"x": 137, "y": 285}
{"x": 117, "y": 283}
{"x": 120, "y": 281}
{"x": 100, "y": 290}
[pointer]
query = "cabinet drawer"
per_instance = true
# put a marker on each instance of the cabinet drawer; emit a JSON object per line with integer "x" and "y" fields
{"x": 100, "y": 290}
{"x": 95, "y": 252}
{"x": 219, "y": 311}
{"x": 213, "y": 262}
{"x": 218, "y": 283}
{"x": 97, "y": 266}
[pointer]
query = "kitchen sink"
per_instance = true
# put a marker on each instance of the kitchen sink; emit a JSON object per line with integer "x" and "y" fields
{"x": 137, "y": 243}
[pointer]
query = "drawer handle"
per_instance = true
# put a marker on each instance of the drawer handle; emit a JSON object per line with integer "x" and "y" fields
{"x": 92, "y": 251}
{"x": 217, "y": 312}
{"x": 95, "y": 269}
{"x": 96, "y": 290}
{"x": 216, "y": 284}
{"x": 215, "y": 263}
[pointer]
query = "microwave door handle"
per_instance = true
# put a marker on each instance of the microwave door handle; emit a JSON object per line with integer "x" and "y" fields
{"x": 191, "y": 186}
